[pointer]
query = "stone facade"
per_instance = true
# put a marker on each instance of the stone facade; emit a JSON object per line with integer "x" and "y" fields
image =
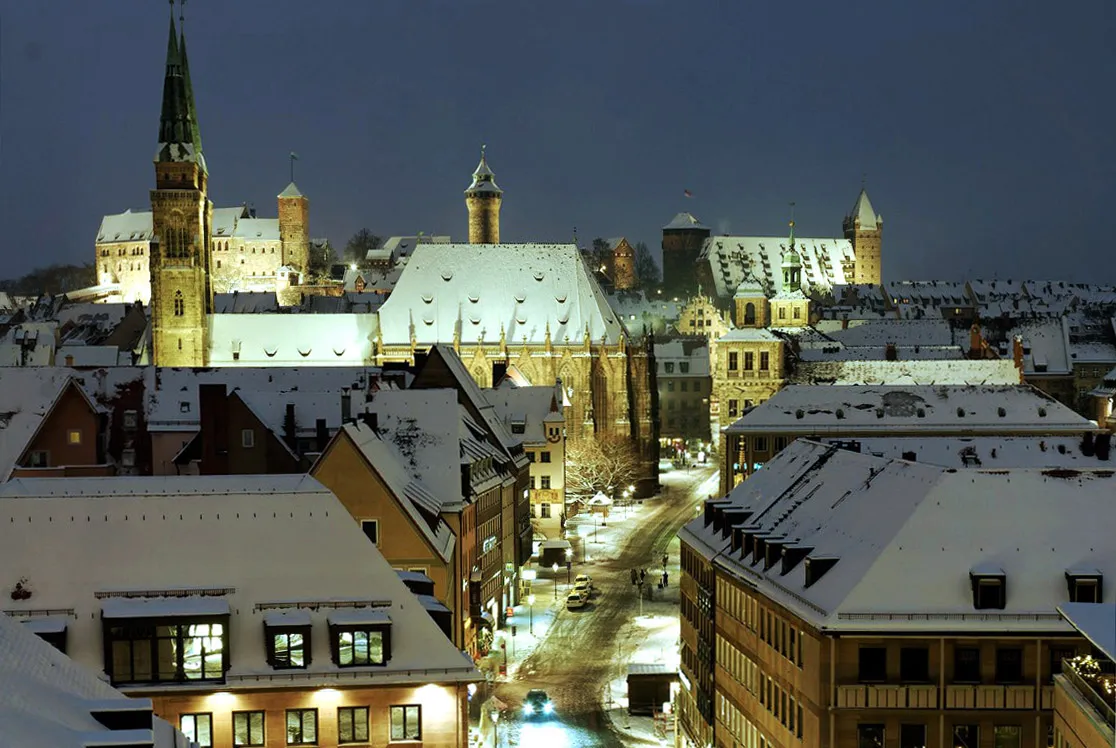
{"x": 864, "y": 229}
{"x": 483, "y": 199}
{"x": 701, "y": 316}
{"x": 294, "y": 228}
{"x": 747, "y": 367}
{"x": 623, "y": 271}
{"x": 683, "y": 239}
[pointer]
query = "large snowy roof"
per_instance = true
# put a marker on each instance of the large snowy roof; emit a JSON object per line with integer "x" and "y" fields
{"x": 291, "y": 339}
{"x": 47, "y": 699}
{"x": 529, "y": 406}
{"x": 136, "y": 225}
{"x": 477, "y": 290}
{"x": 909, "y": 568}
{"x": 685, "y": 221}
{"x": 419, "y": 502}
{"x": 733, "y": 258}
{"x": 855, "y": 409}
{"x": 939, "y": 370}
{"x": 979, "y": 452}
{"x": 172, "y": 393}
{"x": 269, "y": 540}
{"x": 257, "y": 229}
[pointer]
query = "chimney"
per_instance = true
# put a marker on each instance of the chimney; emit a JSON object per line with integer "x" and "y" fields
{"x": 371, "y": 420}
{"x": 213, "y": 407}
{"x": 321, "y": 434}
{"x": 1103, "y": 446}
{"x": 289, "y": 435}
{"x": 976, "y": 342}
{"x": 346, "y": 405}
{"x": 1017, "y": 354}
{"x": 891, "y": 353}
{"x": 845, "y": 322}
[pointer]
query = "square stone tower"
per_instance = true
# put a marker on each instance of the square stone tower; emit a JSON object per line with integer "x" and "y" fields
{"x": 864, "y": 229}
{"x": 294, "y": 228}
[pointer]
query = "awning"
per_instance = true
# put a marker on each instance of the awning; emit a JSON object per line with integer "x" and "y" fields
{"x": 164, "y": 607}
{"x": 278, "y": 619}
{"x": 359, "y": 617}
{"x": 46, "y": 624}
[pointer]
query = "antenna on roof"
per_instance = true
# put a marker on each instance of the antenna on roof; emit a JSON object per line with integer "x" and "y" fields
{"x": 863, "y": 179}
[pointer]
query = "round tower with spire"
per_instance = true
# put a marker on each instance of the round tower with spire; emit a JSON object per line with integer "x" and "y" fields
{"x": 864, "y": 230}
{"x": 483, "y": 199}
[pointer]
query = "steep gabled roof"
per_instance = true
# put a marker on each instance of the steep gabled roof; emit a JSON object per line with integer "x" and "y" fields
{"x": 862, "y": 211}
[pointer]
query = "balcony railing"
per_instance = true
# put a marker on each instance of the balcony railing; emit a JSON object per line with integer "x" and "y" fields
{"x": 1096, "y": 682}
{"x": 956, "y": 696}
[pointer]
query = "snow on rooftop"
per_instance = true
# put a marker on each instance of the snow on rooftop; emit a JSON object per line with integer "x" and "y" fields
{"x": 685, "y": 221}
{"x": 270, "y": 549}
{"x": 46, "y": 698}
{"x": 815, "y": 367}
{"x": 910, "y": 566}
{"x": 527, "y": 406}
{"x": 290, "y": 340}
{"x": 731, "y": 259}
{"x": 476, "y": 291}
{"x": 164, "y": 607}
{"x": 852, "y": 409}
{"x": 978, "y": 452}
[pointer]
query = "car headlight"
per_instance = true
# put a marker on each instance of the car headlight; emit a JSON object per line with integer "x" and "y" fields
{"x": 528, "y": 709}
{"x": 548, "y": 708}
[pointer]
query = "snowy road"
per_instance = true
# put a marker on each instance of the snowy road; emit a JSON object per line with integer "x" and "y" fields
{"x": 582, "y": 651}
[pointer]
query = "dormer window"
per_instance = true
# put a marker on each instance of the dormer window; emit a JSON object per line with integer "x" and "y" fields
{"x": 288, "y": 640}
{"x": 1085, "y": 586}
{"x": 518, "y": 428}
{"x": 989, "y": 588}
{"x": 360, "y": 638}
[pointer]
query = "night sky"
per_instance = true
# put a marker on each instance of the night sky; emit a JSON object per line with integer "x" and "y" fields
{"x": 986, "y": 129}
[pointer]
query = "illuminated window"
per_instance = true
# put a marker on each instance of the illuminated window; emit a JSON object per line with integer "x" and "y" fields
{"x": 406, "y": 722}
{"x": 145, "y": 650}
{"x": 302, "y": 727}
{"x": 73, "y": 436}
{"x": 198, "y": 728}
{"x": 356, "y": 646}
{"x": 248, "y": 728}
{"x": 352, "y": 724}
{"x": 288, "y": 646}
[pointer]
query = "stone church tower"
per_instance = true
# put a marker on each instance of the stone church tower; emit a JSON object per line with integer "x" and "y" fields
{"x": 483, "y": 200}
{"x": 182, "y": 215}
{"x": 864, "y": 229}
{"x": 294, "y": 228}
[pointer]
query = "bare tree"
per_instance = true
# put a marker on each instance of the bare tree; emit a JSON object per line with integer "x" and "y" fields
{"x": 607, "y": 464}
{"x": 647, "y": 270}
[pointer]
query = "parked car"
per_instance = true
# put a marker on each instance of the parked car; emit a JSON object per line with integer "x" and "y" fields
{"x": 584, "y": 587}
{"x": 584, "y": 578}
{"x": 537, "y": 703}
{"x": 576, "y": 600}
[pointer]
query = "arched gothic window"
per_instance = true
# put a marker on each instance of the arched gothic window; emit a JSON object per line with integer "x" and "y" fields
{"x": 750, "y": 313}
{"x": 176, "y": 236}
{"x": 179, "y": 304}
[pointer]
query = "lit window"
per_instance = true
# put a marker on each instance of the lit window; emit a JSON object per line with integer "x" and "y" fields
{"x": 73, "y": 436}
{"x": 352, "y": 724}
{"x": 406, "y": 722}
{"x": 198, "y": 728}
{"x": 357, "y": 647}
{"x": 289, "y": 647}
{"x": 302, "y": 727}
{"x": 248, "y": 728}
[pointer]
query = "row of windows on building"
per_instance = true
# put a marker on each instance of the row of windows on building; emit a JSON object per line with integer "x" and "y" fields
{"x": 749, "y": 361}
{"x": 249, "y": 728}
{"x": 155, "y": 651}
{"x": 771, "y": 696}
{"x": 684, "y": 385}
{"x": 914, "y": 664}
{"x": 542, "y": 456}
{"x": 683, "y": 367}
{"x": 779, "y": 634}
{"x": 544, "y": 481}
{"x": 914, "y": 735}
{"x": 545, "y": 510}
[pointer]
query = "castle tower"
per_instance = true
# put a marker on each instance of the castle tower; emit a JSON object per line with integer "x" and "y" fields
{"x": 181, "y": 297}
{"x": 864, "y": 229}
{"x": 683, "y": 239}
{"x": 483, "y": 200}
{"x": 294, "y": 228}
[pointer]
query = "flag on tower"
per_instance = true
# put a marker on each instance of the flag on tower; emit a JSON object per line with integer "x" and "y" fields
{"x": 687, "y": 193}
{"x": 294, "y": 155}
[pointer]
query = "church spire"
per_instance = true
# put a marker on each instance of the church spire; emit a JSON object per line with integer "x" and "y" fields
{"x": 177, "y": 141}
{"x": 191, "y": 107}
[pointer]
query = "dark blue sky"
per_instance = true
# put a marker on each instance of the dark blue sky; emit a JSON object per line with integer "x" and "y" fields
{"x": 986, "y": 129}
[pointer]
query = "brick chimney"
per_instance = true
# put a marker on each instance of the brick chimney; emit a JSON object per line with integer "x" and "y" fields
{"x": 891, "y": 353}
{"x": 976, "y": 342}
{"x": 1017, "y": 354}
{"x": 214, "y": 416}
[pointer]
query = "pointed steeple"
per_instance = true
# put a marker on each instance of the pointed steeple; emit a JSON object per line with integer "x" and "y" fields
{"x": 176, "y": 128}
{"x": 191, "y": 107}
{"x": 483, "y": 178}
{"x": 862, "y": 211}
{"x": 792, "y": 263}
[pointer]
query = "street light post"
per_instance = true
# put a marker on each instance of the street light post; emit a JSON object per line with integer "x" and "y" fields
{"x": 569, "y": 562}
{"x": 531, "y": 609}
{"x": 554, "y": 571}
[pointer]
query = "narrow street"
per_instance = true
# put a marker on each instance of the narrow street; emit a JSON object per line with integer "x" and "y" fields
{"x": 583, "y": 650}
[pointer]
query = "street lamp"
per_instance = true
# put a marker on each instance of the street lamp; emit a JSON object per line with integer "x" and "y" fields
{"x": 554, "y": 569}
{"x": 569, "y": 561}
{"x": 531, "y": 609}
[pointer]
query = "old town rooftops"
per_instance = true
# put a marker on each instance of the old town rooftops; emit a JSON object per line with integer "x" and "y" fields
{"x": 994, "y": 409}
{"x": 932, "y": 532}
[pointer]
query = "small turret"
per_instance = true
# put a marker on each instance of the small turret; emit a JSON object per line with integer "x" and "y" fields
{"x": 483, "y": 199}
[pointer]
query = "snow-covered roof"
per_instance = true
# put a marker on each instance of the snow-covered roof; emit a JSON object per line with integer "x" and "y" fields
{"x": 862, "y": 211}
{"x": 976, "y": 452}
{"x": 1045, "y": 346}
{"x": 257, "y": 229}
{"x": 692, "y": 351}
{"x": 880, "y": 332}
{"x": 271, "y": 543}
{"x": 1096, "y": 622}
{"x": 172, "y": 393}
{"x": 136, "y": 225}
{"x": 685, "y": 220}
{"x": 749, "y": 335}
{"x": 850, "y": 369}
{"x": 291, "y": 190}
{"x": 265, "y": 340}
{"x": 528, "y": 406}
{"x": 855, "y": 409}
{"x": 245, "y": 302}
{"x": 86, "y": 356}
{"x": 733, "y": 258}
{"x": 477, "y": 291}
{"x": 422, "y": 504}
{"x": 909, "y": 568}
{"x": 47, "y": 699}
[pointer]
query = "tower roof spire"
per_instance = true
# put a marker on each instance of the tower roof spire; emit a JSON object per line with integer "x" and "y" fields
{"x": 191, "y": 106}
{"x": 178, "y": 138}
{"x": 484, "y": 181}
